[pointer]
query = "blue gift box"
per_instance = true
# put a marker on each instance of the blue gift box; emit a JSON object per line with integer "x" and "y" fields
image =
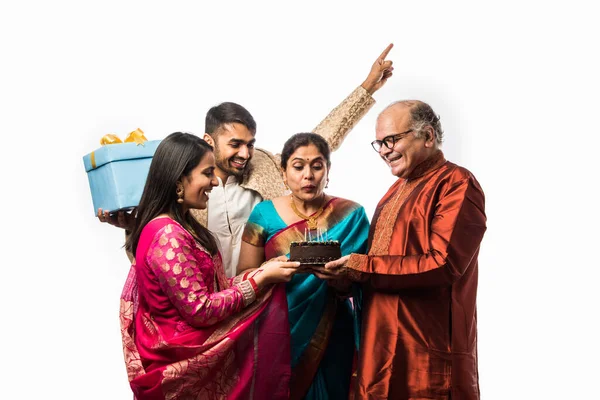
{"x": 117, "y": 174}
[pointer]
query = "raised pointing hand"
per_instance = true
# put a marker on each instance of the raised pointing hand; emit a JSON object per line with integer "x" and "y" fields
{"x": 380, "y": 72}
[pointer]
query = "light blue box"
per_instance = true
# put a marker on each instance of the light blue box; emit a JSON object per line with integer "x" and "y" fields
{"x": 117, "y": 174}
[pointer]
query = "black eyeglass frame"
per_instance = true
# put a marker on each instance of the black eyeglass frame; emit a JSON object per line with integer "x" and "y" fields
{"x": 395, "y": 137}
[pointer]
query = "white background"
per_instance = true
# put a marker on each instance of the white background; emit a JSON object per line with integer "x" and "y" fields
{"x": 516, "y": 85}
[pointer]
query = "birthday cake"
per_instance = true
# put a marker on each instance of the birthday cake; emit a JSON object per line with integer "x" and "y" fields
{"x": 315, "y": 253}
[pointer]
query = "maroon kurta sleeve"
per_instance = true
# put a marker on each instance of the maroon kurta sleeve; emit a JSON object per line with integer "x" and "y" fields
{"x": 455, "y": 233}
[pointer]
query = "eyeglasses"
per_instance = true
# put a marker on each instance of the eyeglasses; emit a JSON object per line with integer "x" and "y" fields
{"x": 389, "y": 141}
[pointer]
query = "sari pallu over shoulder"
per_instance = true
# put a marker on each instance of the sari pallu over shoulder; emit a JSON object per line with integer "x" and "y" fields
{"x": 323, "y": 326}
{"x": 233, "y": 359}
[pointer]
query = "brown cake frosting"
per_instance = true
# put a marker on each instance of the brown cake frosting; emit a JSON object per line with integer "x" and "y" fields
{"x": 315, "y": 253}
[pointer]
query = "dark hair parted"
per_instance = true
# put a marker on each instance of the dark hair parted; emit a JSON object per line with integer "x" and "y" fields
{"x": 175, "y": 157}
{"x": 304, "y": 139}
{"x": 227, "y": 113}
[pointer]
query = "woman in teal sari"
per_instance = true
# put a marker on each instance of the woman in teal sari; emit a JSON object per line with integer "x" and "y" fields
{"x": 323, "y": 320}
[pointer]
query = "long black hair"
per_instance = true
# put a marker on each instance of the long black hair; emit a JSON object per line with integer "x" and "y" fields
{"x": 175, "y": 157}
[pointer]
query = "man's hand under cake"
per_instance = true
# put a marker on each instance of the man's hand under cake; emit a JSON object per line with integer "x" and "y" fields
{"x": 333, "y": 269}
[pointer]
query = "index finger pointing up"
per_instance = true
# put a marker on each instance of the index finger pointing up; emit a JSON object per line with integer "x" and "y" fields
{"x": 386, "y": 51}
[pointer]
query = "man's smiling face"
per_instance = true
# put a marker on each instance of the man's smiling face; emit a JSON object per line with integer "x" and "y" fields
{"x": 234, "y": 147}
{"x": 407, "y": 151}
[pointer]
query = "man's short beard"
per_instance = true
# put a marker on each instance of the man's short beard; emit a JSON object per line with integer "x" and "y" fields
{"x": 224, "y": 166}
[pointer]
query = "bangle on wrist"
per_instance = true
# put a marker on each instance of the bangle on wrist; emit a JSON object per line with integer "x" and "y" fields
{"x": 254, "y": 285}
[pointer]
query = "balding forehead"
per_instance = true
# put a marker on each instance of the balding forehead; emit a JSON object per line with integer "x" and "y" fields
{"x": 393, "y": 120}
{"x": 397, "y": 112}
{"x": 401, "y": 106}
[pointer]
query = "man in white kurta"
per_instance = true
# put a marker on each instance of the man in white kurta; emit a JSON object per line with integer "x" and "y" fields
{"x": 229, "y": 209}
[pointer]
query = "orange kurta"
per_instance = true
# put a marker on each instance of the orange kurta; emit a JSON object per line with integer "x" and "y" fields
{"x": 419, "y": 328}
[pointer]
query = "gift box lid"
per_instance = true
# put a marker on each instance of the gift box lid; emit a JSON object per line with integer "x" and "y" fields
{"x": 119, "y": 152}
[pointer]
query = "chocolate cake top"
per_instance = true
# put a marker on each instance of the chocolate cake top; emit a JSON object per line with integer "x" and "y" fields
{"x": 314, "y": 243}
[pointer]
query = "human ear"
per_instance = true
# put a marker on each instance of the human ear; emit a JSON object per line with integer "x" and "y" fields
{"x": 429, "y": 137}
{"x": 208, "y": 139}
{"x": 284, "y": 175}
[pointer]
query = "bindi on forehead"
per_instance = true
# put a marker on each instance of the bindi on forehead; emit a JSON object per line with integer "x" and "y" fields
{"x": 308, "y": 160}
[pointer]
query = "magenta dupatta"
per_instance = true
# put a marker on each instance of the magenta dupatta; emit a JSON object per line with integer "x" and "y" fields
{"x": 218, "y": 349}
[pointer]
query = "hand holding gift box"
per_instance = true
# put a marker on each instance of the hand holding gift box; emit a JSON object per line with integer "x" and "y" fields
{"x": 117, "y": 171}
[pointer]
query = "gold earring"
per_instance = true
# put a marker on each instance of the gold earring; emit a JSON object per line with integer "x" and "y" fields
{"x": 286, "y": 185}
{"x": 179, "y": 193}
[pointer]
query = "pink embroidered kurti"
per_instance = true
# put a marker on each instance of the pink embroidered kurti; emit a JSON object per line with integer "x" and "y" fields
{"x": 191, "y": 333}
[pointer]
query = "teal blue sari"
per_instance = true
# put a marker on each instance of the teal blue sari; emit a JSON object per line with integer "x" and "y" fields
{"x": 324, "y": 326}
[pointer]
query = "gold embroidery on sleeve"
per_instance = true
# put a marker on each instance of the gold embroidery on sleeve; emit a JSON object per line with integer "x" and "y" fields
{"x": 163, "y": 240}
{"x": 184, "y": 283}
{"x": 247, "y": 292}
{"x": 177, "y": 269}
{"x": 342, "y": 119}
{"x": 170, "y": 254}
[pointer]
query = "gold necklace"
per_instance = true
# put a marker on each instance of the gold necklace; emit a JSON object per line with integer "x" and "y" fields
{"x": 312, "y": 220}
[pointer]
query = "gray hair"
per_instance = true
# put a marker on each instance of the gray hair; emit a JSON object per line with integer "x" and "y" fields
{"x": 422, "y": 115}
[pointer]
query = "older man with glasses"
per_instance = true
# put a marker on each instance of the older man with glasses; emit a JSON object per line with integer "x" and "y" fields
{"x": 419, "y": 325}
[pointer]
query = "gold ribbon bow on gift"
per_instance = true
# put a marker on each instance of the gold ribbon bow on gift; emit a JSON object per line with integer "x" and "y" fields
{"x": 136, "y": 136}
